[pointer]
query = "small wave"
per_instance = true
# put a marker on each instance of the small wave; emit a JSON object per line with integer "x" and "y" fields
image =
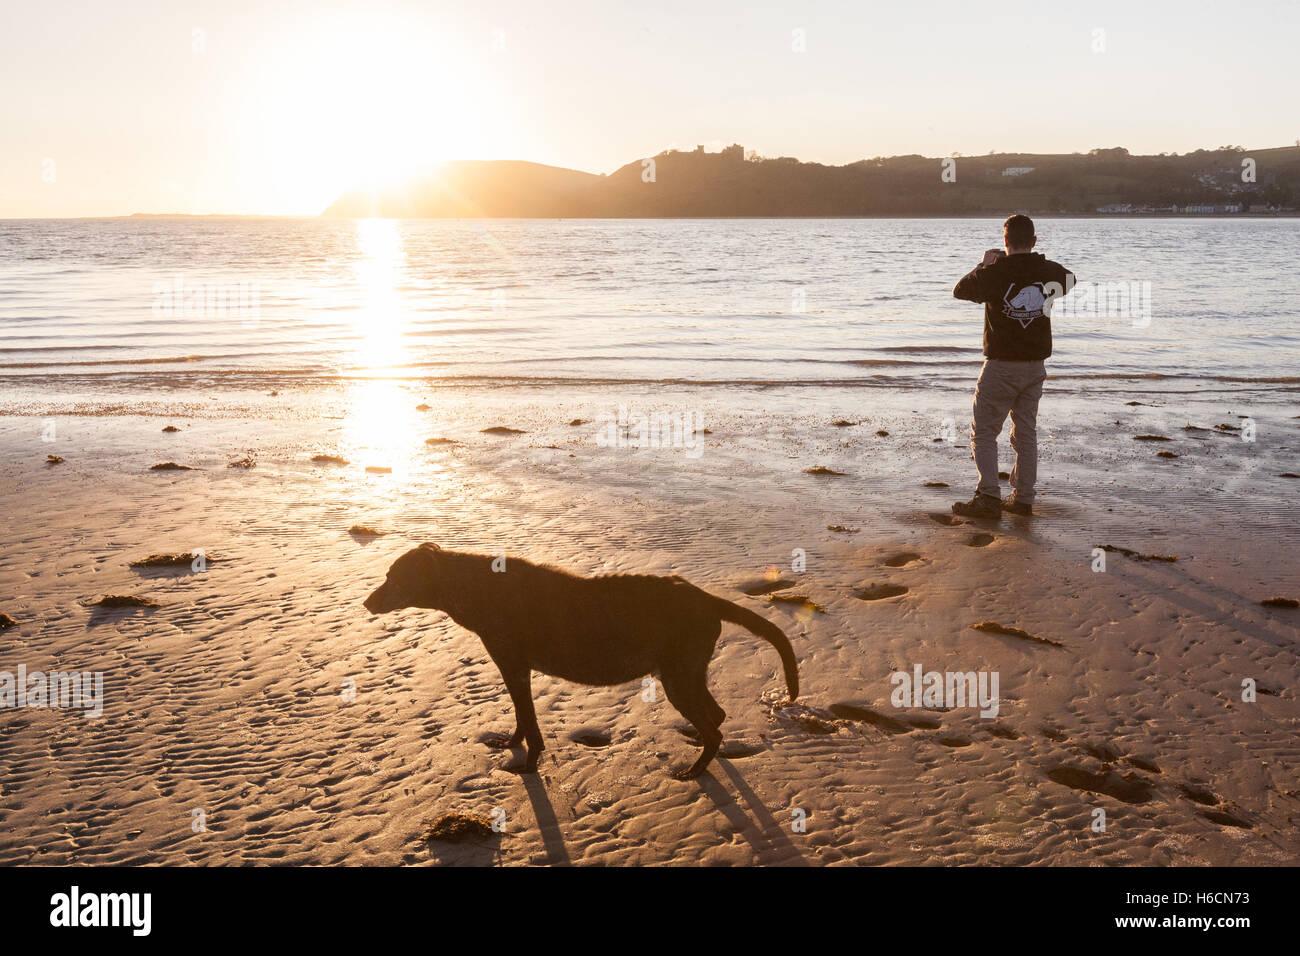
{"x": 1161, "y": 376}
{"x": 135, "y": 361}
{"x": 900, "y": 362}
{"x": 934, "y": 349}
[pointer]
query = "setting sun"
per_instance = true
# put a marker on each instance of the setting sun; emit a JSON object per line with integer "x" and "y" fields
{"x": 366, "y": 100}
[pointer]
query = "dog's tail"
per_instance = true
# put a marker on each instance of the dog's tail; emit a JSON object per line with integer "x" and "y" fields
{"x": 768, "y": 632}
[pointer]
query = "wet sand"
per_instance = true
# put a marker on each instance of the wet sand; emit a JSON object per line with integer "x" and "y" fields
{"x": 230, "y": 697}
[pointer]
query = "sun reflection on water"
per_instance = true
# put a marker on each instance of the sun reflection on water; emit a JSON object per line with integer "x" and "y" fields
{"x": 382, "y": 424}
{"x": 380, "y": 319}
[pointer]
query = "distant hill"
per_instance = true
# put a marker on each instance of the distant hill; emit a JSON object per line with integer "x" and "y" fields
{"x": 730, "y": 183}
{"x": 472, "y": 189}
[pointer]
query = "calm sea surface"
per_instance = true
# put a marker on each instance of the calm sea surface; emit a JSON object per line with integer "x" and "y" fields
{"x": 138, "y": 305}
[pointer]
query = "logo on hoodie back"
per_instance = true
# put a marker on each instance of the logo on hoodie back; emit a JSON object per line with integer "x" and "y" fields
{"x": 1024, "y": 303}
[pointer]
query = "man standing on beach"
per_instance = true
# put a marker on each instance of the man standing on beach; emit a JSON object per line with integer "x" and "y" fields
{"x": 1017, "y": 290}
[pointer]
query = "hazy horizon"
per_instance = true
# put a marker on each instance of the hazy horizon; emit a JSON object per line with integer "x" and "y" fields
{"x": 275, "y": 109}
{"x": 428, "y": 174}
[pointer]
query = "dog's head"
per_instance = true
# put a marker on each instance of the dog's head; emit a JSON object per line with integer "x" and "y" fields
{"x": 412, "y": 582}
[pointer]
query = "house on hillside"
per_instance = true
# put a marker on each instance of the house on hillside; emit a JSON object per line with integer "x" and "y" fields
{"x": 734, "y": 152}
{"x": 1017, "y": 170}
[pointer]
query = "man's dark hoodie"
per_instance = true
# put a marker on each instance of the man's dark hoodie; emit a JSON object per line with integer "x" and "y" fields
{"x": 1017, "y": 292}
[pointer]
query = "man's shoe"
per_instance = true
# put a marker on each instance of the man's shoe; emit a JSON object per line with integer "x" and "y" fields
{"x": 981, "y": 506}
{"x": 1016, "y": 507}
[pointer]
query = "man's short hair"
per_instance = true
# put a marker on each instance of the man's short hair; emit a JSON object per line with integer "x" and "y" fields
{"x": 1018, "y": 231}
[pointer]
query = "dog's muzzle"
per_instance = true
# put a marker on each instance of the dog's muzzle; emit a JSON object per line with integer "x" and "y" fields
{"x": 376, "y": 604}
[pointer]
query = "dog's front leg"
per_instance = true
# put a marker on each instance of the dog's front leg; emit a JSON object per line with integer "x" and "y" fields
{"x": 519, "y": 682}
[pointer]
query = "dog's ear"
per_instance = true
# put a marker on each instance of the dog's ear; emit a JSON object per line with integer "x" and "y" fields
{"x": 430, "y": 546}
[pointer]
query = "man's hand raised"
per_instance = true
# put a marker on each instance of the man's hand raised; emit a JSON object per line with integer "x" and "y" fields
{"x": 992, "y": 256}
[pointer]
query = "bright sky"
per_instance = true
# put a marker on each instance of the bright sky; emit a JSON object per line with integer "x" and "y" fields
{"x": 275, "y": 106}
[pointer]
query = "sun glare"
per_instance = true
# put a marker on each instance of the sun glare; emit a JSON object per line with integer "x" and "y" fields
{"x": 379, "y": 320}
{"x": 367, "y": 100}
{"x": 380, "y": 420}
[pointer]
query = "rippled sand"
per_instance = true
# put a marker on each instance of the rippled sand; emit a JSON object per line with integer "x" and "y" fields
{"x": 229, "y": 697}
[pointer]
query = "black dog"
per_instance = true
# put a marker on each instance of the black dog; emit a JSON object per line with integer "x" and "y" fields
{"x": 600, "y": 631}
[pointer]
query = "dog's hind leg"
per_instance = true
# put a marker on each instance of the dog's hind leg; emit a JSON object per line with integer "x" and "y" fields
{"x": 690, "y": 695}
{"x": 716, "y": 713}
{"x": 519, "y": 682}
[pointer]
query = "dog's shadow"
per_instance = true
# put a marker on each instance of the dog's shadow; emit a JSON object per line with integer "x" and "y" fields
{"x": 768, "y": 839}
{"x": 557, "y": 854}
{"x": 754, "y": 822}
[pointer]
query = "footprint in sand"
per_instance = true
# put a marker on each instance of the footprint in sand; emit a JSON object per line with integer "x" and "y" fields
{"x": 955, "y": 741}
{"x": 477, "y": 781}
{"x": 590, "y": 738}
{"x": 1006, "y": 733}
{"x": 865, "y": 716}
{"x": 945, "y": 519}
{"x": 902, "y": 559}
{"x": 1102, "y": 752}
{"x": 1197, "y": 795}
{"x": 805, "y": 718}
{"x": 878, "y": 592}
{"x": 1141, "y": 764}
{"x": 890, "y": 725}
{"x": 980, "y": 540}
{"x": 738, "y": 749}
{"x": 1125, "y": 788}
{"x": 1227, "y": 819}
